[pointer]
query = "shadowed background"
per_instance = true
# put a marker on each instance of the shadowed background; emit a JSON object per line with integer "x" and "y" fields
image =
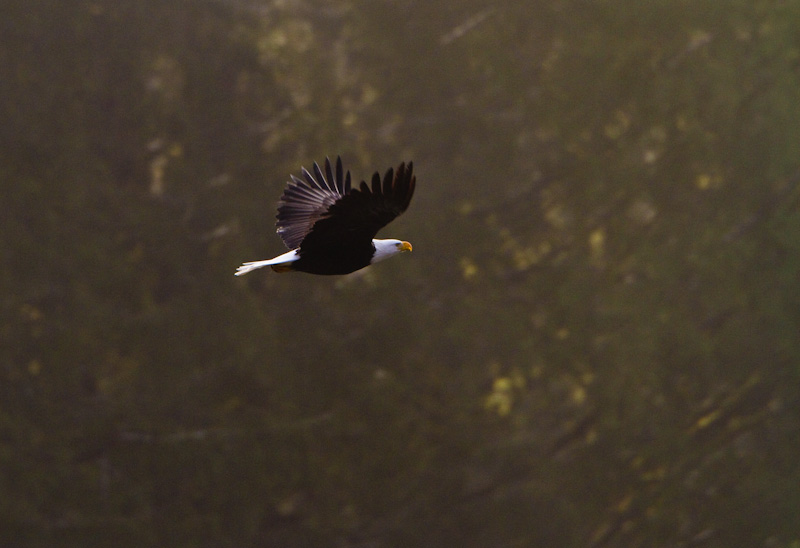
{"x": 594, "y": 342}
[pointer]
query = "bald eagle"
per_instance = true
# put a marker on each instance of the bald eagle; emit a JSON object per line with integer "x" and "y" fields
{"x": 331, "y": 227}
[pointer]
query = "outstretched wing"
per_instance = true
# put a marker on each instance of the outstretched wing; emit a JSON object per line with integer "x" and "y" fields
{"x": 307, "y": 200}
{"x": 356, "y": 217}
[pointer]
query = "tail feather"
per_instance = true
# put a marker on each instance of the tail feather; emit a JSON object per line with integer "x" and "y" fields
{"x": 282, "y": 263}
{"x": 247, "y": 267}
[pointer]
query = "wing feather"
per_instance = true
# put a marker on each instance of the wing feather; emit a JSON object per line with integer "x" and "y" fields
{"x": 357, "y": 216}
{"x": 306, "y": 200}
{"x": 340, "y": 178}
{"x": 322, "y": 209}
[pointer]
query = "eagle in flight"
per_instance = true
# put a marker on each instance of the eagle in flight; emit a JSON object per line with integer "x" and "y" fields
{"x": 330, "y": 227}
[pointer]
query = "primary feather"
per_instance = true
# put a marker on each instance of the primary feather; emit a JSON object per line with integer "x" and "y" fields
{"x": 307, "y": 200}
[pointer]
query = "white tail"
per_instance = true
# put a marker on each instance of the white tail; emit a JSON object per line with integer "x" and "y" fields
{"x": 286, "y": 258}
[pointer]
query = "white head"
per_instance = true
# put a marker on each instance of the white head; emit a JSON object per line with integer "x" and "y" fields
{"x": 386, "y": 248}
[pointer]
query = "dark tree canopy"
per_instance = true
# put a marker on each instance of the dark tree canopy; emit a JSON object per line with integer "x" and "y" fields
{"x": 595, "y": 343}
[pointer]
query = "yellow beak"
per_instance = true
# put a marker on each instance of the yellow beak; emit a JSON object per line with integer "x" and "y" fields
{"x": 405, "y": 246}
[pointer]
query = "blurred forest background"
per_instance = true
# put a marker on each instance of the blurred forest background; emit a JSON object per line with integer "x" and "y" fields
{"x": 595, "y": 341}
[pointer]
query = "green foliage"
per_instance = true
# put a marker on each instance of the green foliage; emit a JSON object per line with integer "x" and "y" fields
{"x": 593, "y": 344}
